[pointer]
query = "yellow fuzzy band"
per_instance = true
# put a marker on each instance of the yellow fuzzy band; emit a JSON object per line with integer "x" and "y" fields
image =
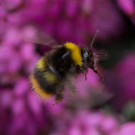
{"x": 75, "y": 53}
{"x": 50, "y": 77}
{"x": 39, "y": 90}
{"x": 41, "y": 64}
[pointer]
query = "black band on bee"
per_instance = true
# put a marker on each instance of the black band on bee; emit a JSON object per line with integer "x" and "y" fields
{"x": 48, "y": 88}
{"x": 61, "y": 60}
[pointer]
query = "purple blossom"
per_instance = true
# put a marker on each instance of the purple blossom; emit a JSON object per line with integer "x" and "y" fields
{"x": 123, "y": 86}
{"x": 128, "y": 6}
{"x": 21, "y": 110}
{"x": 87, "y": 123}
{"x": 74, "y": 21}
{"x": 123, "y": 82}
{"x": 128, "y": 128}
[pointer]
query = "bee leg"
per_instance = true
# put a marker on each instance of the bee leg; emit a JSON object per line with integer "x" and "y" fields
{"x": 59, "y": 95}
{"x": 72, "y": 88}
{"x": 59, "y": 98}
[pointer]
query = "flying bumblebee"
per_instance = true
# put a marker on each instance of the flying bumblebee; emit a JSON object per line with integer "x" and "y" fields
{"x": 55, "y": 69}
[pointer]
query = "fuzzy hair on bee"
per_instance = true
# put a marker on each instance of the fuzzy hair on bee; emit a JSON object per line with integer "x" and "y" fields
{"x": 54, "y": 70}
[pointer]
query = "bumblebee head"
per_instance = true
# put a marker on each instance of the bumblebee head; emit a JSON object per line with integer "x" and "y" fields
{"x": 88, "y": 58}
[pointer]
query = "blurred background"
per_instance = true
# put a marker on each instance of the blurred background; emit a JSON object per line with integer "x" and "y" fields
{"x": 99, "y": 107}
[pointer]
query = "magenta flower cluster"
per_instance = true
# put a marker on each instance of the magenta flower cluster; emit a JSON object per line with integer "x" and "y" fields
{"x": 21, "y": 110}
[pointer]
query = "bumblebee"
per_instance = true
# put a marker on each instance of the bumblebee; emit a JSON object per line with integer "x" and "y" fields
{"x": 56, "y": 69}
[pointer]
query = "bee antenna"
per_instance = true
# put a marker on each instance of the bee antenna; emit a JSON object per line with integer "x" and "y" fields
{"x": 91, "y": 45}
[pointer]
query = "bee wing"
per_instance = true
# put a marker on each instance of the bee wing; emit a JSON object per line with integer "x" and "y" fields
{"x": 44, "y": 39}
{"x": 99, "y": 98}
{"x": 100, "y": 56}
{"x": 11, "y": 8}
{"x": 37, "y": 36}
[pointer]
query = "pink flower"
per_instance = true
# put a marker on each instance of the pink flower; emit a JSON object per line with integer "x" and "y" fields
{"x": 128, "y": 6}
{"x": 89, "y": 123}
{"x": 128, "y": 128}
{"x": 123, "y": 86}
{"x": 21, "y": 111}
{"x": 74, "y": 21}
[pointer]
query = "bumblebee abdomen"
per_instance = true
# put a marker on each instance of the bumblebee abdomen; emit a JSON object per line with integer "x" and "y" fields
{"x": 38, "y": 89}
{"x": 42, "y": 64}
{"x": 44, "y": 81}
{"x": 42, "y": 71}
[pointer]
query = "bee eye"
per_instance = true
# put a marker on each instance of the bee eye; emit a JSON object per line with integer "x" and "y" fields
{"x": 86, "y": 56}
